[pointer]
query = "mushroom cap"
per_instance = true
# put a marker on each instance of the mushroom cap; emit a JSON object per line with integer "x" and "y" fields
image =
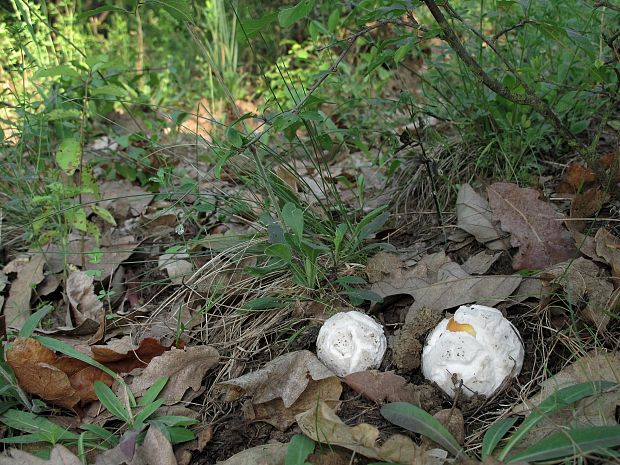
{"x": 349, "y": 342}
{"x": 478, "y": 345}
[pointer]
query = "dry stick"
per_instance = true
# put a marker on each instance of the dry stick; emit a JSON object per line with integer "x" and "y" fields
{"x": 605, "y": 4}
{"x": 518, "y": 25}
{"x": 531, "y": 100}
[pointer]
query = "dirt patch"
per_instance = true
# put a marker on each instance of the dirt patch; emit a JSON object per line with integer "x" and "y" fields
{"x": 408, "y": 342}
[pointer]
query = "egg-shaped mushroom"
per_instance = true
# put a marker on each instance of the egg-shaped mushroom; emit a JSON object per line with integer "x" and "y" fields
{"x": 477, "y": 346}
{"x": 349, "y": 342}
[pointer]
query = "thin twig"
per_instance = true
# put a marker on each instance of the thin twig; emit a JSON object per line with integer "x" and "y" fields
{"x": 611, "y": 6}
{"x": 518, "y": 25}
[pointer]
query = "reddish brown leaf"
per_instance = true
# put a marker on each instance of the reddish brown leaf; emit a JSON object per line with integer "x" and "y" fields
{"x": 535, "y": 226}
{"x": 122, "y": 355}
{"x": 386, "y": 386}
{"x": 585, "y": 205}
{"x": 578, "y": 175}
{"x": 83, "y": 382}
{"x": 34, "y": 369}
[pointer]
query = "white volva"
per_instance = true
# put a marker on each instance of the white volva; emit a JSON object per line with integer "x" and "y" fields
{"x": 349, "y": 342}
{"x": 478, "y": 345}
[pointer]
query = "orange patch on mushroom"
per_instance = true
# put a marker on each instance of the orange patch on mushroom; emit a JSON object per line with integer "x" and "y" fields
{"x": 458, "y": 327}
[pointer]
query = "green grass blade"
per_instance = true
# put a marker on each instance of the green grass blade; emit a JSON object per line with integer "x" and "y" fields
{"x": 559, "y": 399}
{"x": 111, "y": 402}
{"x": 66, "y": 349}
{"x": 415, "y": 419}
{"x": 573, "y": 442}
{"x": 33, "y": 321}
{"x": 495, "y": 434}
{"x": 151, "y": 393}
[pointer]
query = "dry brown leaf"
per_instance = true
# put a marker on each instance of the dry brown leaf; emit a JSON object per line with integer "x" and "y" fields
{"x": 177, "y": 268}
{"x": 582, "y": 281}
{"x": 274, "y": 412}
{"x": 381, "y": 265}
{"x": 124, "y": 199}
{"x": 584, "y": 205}
{"x": 438, "y": 283}
{"x": 185, "y": 369}
{"x": 596, "y": 365}
{"x": 33, "y": 365}
{"x": 597, "y": 410}
{"x": 59, "y": 455}
{"x": 115, "y": 248}
{"x": 81, "y": 294}
{"x": 381, "y": 386}
{"x": 321, "y": 424}
{"x": 268, "y": 454}
{"x": 122, "y": 453}
{"x": 578, "y": 175}
{"x": 29, "y": 274}
{"x": 123, "y": 355}
{"x": 285, "y": 377}
{"x": 608, "y": 247}
{"x": 481, "y": 262}
{"x": 474, "y": 216}
{"x": 155, "y": 450}
{"x": 534, "y": 226}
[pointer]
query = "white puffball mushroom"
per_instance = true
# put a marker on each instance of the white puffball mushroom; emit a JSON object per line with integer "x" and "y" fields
{"x": 477, "y": 345}
{"x": 349, "y": 342}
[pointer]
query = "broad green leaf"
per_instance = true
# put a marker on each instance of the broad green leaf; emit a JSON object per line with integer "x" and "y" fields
{"x": 266, "y": 303}
{"x": 31, "y": 423}
{"x": 415, "y": 419}
{"x": 178, "y": 9}
{"x": 299, "y": 449}
{"x": 98, "y": 10}
{"x": 284, "y": 121}
{"x": 559, "y": 399}
{"x": 573, "y": 442}
{"x": 151, "y": 393}
{"x": 333, "y": 20}
{"x": 495, "y": 434}
{"x": 33, "y": 321}
{"x": 109, "y": 89}
{"x": 251, "y": 27}
{"x": 288, "y": 16}
{"x": 77, "y": 218}
{"x": 176, "y": 420}
{"x": 282, "y": 251}
{"x": 30, "y": 438}
{"x": 104, "y": 214}
{"x": 147, "y": 411}
{"x": 294, "y": 218}
{"x": 111, "y": 402}
{"x": 109, "y": 439}
{"x": 68, "y": 155}
{"x": 177, "y": 434}
{"x": 62, "y": 113}
{"x": 364, "y": 294}
{"x": 60, "y": 70}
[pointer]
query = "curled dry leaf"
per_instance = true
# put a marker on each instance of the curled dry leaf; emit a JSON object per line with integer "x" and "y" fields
{"x": 535, "y": 226}
{"x": 582, "y": 280}
{"x": 474, "y": 216}
{"x": 321, "y": 424}
{"x": 29, "y": 273}
{"x": 59, "y": 380}
{"x": 285, "y": 377}
{"x": 267, "y": 454}
{"x": 123, "y": 355}
{"x": 59, "y": 455}
{"x": 185, "y": 369}
{"x": 81, "y": 294}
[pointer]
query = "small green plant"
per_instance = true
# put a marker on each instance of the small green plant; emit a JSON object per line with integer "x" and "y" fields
{"x": 299, "y": 449}
{"x": 568, "y": 441}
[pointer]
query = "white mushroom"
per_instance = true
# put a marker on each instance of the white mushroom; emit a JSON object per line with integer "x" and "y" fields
{"x": 349, "y": 342}
{"x": 478, "y": 346}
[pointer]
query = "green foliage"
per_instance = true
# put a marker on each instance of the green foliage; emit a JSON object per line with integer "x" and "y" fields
{"x": 570, "y": 441}
{"x": 299, "y": 449}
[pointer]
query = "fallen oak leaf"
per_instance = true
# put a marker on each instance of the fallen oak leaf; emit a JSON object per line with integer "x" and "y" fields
{"x": 608, "y": 248}
{"x": 285, "y": 377}
{"x": 267, "y": 454}
{"x": 155, "y": 450}
{"x": 584, "y": 205}
{"x": 185, "y": 369}
{"x": 533, "y": 224}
